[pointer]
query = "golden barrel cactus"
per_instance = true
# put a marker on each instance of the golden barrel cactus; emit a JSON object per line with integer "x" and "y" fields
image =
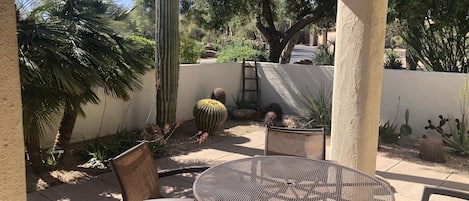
{"x": 209, "y": 115}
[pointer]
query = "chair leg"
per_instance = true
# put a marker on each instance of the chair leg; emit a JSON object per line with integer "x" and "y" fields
{"x": 441, "y": 191}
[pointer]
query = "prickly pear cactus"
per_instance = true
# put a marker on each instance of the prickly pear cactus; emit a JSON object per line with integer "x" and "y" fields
{"x": 209, "y": 115}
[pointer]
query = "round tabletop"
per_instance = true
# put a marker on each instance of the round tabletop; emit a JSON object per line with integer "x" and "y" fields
{"x": 287, "y": 178}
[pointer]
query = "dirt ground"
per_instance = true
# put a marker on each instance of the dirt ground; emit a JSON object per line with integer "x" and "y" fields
{"x": 71, "y": 171}
{"x": 73, "y": 168}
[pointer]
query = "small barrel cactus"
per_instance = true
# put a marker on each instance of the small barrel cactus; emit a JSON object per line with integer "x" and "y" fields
{"x": 209, "y": 115}
{"x": 432, "y": 150}
{"x": 219, "y": 95}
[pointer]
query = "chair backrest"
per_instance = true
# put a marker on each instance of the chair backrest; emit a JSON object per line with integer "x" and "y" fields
{"x": 137, "y": 174}
{"x": 427, "y": 191}
{"x": 308, "y": 143}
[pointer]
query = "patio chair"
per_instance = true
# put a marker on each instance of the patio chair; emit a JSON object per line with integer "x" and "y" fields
{"x": 137, "y": 175}
{"x": 308, "y": 143}
{"x": 427, "y": 191}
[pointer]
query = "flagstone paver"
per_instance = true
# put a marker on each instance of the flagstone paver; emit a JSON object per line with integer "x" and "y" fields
{"x": 407, "y": 178}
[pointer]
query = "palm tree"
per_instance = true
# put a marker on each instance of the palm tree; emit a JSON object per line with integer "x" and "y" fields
{"x": 67, "y": 53}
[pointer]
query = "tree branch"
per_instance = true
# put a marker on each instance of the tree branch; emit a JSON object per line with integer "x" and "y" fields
{"x": 308, "y": 19}
{"x": 262, "y": 28}
{"x": 267, "y": 13}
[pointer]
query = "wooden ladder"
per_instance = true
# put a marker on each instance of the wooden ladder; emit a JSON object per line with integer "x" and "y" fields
{"x": 250, "y": 91}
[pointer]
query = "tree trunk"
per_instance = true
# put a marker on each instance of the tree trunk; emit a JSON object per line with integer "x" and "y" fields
{"x": 286, "y": 56}
{"x": 277, "y": 40}
{"x": 62, "y": 139}
{"x": 274, "y": 52}
{"x": 167, "y": 60}
{"x": 35, "y": 157}
{"x": 324, "y": 37}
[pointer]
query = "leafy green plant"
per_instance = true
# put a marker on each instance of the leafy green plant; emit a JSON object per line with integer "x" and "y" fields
{"x": 254, "y": 104}
{"x": 101, "y": 150}
{"x": 190, "y": 50}
{"x": 438, "y": 47}
{"x": 392, "y": 61}
{"x": 387, "y": 132}
{"x": 318, "y": 108}
{"x": 53, "y": 157}
{"x": 238, "y": 53}
{"x": 325, "y": 54}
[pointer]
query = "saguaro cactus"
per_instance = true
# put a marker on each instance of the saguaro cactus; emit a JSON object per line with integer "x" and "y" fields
{"x": 209, "y": 115}
{"x": 167, "y": 59}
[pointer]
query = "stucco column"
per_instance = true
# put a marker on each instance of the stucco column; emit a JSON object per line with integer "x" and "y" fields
{"x": 358, "y": 76}
{"x": 12, "y": 168}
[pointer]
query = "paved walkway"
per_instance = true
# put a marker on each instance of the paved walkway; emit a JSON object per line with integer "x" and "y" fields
{"x": 407, "y": 178}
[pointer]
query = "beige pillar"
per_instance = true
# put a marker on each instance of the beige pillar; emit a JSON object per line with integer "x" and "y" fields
{"x": 357, "y": 82}
{"x": 12, "y": 168}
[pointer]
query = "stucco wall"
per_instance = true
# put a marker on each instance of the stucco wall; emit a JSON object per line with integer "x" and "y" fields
{"x": 12, "y": 174}
{"x": 426, "y": 94}
{"x": 196, "y": 82}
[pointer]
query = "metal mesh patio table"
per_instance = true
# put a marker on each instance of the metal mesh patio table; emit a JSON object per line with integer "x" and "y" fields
{"x": 287, "y": 178}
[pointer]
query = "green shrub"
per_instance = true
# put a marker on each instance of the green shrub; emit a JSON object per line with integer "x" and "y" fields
{"x": 439, "y": 48}
{"x": 392, "y": 61}
{"x": 388, "y": 132}
{"x": 238, "y": 53}
{"x": 248, "y": 103}
{"x": 325, "y": 54}
{"x": 189, "y": 50}
{"x": 143, "y": 48}
{"x": 197, "y": 33}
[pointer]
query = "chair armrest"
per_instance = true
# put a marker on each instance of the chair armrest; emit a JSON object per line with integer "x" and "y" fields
{"x": 169, "y": 172}
{"x": 441, "y": 191}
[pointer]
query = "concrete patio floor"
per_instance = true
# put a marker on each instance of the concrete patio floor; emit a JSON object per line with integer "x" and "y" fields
{"x": 407, "y": 178}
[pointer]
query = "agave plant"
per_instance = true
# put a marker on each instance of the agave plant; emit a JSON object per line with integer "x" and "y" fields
{"x": 318, "y": 108}
{"x": 459, "y": 141}
{"x": 459, "y": 128}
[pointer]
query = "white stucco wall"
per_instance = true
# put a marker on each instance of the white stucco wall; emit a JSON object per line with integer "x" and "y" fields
{"x": 426, "y": 94}
{"x": 197, "y": 82}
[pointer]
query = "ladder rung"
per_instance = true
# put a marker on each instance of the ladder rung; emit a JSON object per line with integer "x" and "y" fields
{"x": 250, "y": 78}
{"x": 250, "y": 90}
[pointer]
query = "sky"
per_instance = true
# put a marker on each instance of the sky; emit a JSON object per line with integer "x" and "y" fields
{"x": 126, "y": 3}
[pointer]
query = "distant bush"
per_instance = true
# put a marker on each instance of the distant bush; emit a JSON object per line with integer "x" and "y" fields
{"x": 325, "y": 54}
{"x": 392, "y": 61}
{"x": 197, "y": 33}
{"x": 143, "y": 48}
{"x": 190, "y": 50}
{"x": 238, "y": 53}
